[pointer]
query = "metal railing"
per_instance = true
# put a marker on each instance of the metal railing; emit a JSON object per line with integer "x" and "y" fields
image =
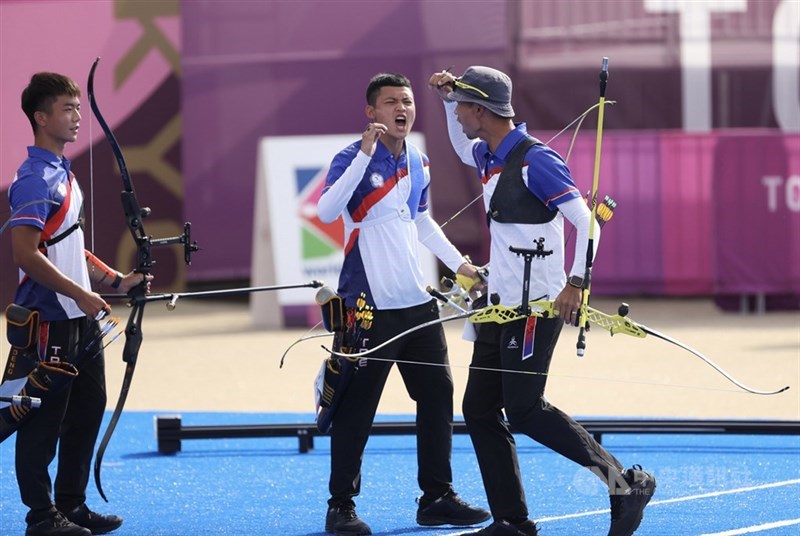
{"x": 170, "y": 431}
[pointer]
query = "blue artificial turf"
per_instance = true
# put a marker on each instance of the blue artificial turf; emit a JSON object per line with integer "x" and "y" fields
{"x": 706, "y": 484}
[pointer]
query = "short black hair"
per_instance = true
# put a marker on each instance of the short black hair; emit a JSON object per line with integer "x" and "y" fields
{"x": 43, "y": 90}
{"x": 382, "y": 80}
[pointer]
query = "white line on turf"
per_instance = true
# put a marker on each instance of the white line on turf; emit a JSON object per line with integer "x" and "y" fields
{"x": 668, "y": 501}
{"x": 756, "y": 528}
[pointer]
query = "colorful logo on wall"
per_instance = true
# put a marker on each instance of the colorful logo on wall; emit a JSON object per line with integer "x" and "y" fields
{"x": 318, "y": 239}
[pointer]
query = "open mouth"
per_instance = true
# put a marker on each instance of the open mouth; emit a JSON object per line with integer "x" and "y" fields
{"x": 400, "y": 121}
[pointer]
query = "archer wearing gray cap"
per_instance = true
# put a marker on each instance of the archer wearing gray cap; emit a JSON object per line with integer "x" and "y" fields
{"x": 485, "y": 86}
{"x": 528, "y": 192}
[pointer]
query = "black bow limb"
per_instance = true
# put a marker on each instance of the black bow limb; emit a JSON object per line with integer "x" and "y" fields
{"x": 134, "y": 216}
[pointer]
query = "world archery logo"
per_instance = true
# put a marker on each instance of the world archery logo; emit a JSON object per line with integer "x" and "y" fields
{"x": 318, "y": 239}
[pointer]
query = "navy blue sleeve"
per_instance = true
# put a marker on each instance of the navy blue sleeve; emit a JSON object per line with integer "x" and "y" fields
{"x": 549, "y": 177}
{"x": 29, "y": 188}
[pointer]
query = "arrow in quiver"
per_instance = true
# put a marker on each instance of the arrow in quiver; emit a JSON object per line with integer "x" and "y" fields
{"x": 25, "y": 376}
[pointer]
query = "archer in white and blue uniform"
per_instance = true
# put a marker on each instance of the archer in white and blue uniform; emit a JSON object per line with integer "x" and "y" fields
{"x": 59, "y": 358}
{"x": 379, "y": 186}
{"x": 528, "y": 192}
{"x": 385, "y": 219}
{"x": 55, "y": 202}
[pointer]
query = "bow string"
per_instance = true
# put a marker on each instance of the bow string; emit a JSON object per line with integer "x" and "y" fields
{"x": 614, "y": 324}
{"x": 134, "y": 216}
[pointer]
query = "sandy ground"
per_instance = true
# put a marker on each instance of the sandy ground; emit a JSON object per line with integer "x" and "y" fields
{"x": 207, "y": 356}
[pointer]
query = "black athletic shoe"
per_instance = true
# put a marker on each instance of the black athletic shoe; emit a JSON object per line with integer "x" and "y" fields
{"x": 96, "y": 523}
{"x": 449, "y": 509}
{"x": 504, "y": 528}
{"x": 627, "y": 508}
{"x": 342, "y": 520}
{"x": 56, "y": 525}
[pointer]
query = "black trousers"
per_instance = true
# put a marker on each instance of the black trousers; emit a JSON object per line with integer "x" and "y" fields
{"x": 522, "y": 397}
{"x": 70, "y": 418}
{"x": 431, "y": 387}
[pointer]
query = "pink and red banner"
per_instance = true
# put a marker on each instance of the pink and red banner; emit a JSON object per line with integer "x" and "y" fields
{"x": 698, "y": 214}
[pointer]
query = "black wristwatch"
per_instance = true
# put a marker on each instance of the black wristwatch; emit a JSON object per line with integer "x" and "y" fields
{"x": 575, "y": 281}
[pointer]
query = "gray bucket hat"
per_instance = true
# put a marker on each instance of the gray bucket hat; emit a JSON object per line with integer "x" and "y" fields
{"x": 485, "y": 86}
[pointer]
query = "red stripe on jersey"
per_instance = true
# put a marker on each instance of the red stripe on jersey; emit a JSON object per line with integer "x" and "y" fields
{"x": 492, "y": 172}
{"x": 54, "y": 223}
{"x": 559, "y": 194}
{"x": 352, "y": 241}
{"x": 372, "y": 199}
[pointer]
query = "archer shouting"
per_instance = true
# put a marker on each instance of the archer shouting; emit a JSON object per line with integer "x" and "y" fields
{"x": 379, "y": 185}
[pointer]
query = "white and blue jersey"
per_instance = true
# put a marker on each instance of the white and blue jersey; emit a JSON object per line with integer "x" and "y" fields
{"x": 383, "y": 201}
{"x": 45, "y": 177}
{"x": 546, "y": 175}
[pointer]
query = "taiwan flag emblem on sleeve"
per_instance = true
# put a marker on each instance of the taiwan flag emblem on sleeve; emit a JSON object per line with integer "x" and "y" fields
{"x": 527, "y": 344}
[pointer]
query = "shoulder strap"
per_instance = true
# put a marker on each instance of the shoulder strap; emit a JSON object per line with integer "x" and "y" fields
{"x": 517, "y": 154}
{"x": 415, "y": 164}
{"x": 416, "y": 174}
{"x": 59, "y": 237}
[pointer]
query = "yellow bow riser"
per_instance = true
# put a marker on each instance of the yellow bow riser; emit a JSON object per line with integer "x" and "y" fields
{"x": 545, "y": 309}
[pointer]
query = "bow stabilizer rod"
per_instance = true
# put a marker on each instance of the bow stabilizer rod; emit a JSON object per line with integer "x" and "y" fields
{"x": 172, "y": 297}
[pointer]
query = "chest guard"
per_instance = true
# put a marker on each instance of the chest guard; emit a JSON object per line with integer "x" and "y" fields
{"x": 512, "y": 201}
